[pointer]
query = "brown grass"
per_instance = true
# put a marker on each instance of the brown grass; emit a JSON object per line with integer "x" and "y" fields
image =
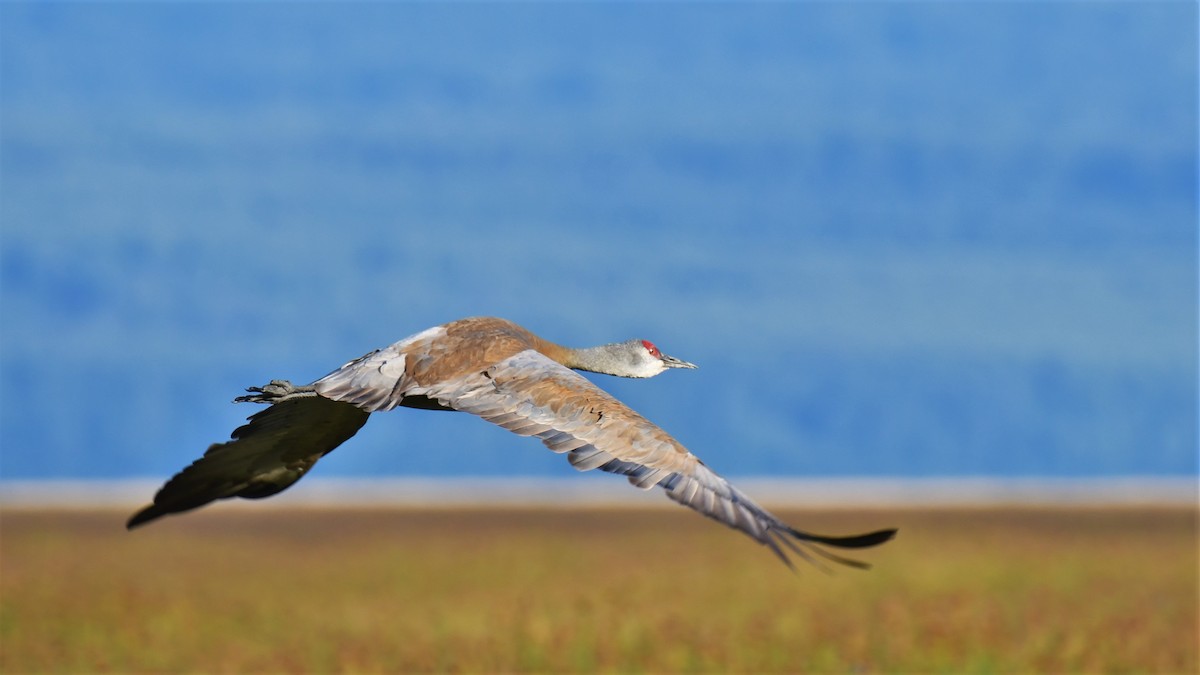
{"x": 243, "y": 589}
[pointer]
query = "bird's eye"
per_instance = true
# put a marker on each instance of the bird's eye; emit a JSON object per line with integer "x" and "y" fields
{"x": 650, "y": 347}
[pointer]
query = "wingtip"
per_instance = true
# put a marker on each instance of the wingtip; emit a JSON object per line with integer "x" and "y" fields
{"x": 872, "y": 538}
{"x": 852, "y": 541}
{"x": 144, "y": 516}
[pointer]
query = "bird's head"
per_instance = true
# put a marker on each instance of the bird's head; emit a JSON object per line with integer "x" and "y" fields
{"x": 646, "y": 360}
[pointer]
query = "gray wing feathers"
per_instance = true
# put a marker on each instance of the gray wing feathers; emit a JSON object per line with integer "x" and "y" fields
{"x": 372, "y": 382}
{"x": 589, "y": 457}
{"x": 532, "y": 395}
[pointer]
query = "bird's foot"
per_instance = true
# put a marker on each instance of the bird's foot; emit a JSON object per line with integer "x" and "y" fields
{"x": 276, "y": 391}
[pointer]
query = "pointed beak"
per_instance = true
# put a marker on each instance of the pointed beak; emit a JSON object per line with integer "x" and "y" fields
{"x": 672, "y": 362}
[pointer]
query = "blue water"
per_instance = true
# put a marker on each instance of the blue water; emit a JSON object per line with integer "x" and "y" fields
{"x": 901, "y": 239}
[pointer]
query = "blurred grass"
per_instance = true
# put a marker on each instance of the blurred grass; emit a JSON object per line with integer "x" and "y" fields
{"x": 242, "y": 589}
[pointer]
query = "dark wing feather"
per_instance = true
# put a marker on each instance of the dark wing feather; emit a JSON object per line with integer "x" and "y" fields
{"x": 531, "y": 395}
{"x": 275, "y": 449}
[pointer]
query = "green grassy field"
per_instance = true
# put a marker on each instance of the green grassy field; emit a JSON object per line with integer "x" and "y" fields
{"x": 245, "y": 589}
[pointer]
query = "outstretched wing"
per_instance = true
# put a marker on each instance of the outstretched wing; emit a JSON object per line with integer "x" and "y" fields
{"x": 532, "y": 395}
{"x": 277, "y": 447}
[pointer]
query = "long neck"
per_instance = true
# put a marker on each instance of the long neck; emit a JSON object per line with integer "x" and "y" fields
{"x": 609, "y": 359}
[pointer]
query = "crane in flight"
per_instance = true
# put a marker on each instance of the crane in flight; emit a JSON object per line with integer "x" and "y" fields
{"x": 510, "y": 377}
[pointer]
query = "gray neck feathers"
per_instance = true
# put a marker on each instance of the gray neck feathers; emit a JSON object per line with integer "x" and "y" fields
{"x": 618, "y": 358}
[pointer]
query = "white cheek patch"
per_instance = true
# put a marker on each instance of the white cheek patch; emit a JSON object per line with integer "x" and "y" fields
{"x": 649, "y": 368}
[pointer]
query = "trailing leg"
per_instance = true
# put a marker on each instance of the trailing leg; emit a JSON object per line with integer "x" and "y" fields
{"x": 276, "y": 391}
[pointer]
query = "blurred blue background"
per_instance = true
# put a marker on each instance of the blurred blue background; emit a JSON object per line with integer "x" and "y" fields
{"x": 900, "y": 239}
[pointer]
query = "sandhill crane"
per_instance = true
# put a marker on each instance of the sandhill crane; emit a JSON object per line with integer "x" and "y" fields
{"x": 510, "y": 377}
